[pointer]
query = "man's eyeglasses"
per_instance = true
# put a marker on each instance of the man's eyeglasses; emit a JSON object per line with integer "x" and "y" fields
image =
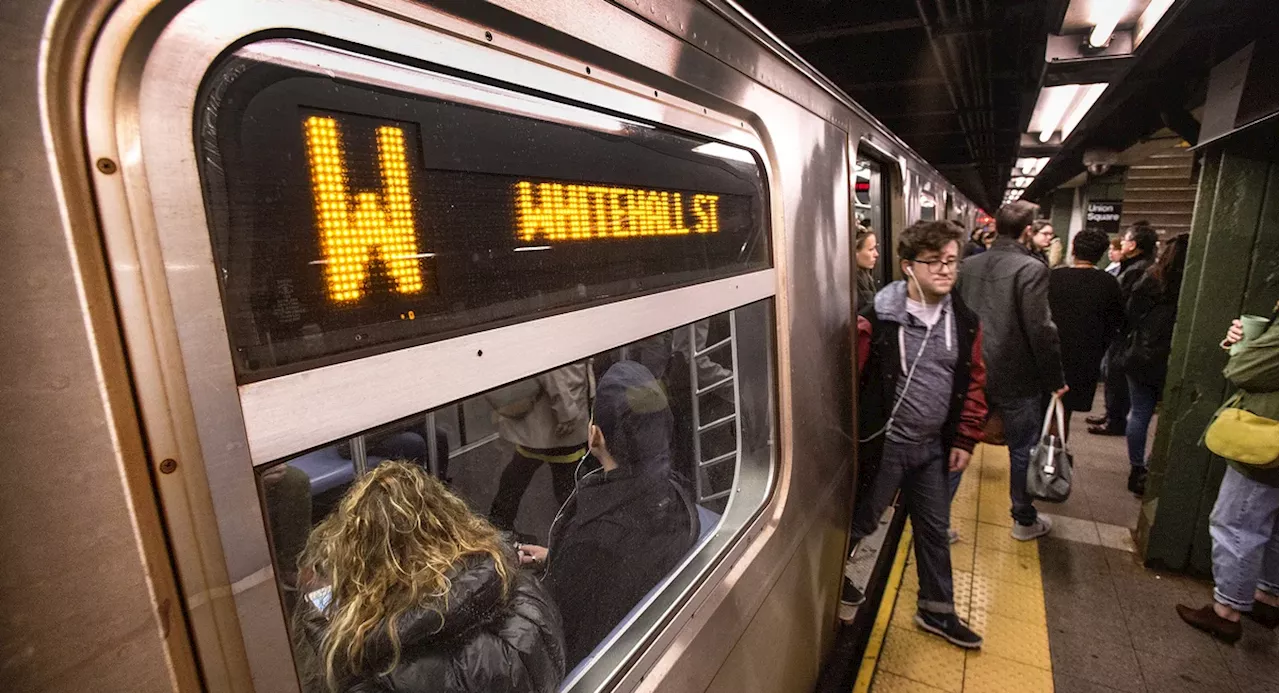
{"x": 936, "y": 266}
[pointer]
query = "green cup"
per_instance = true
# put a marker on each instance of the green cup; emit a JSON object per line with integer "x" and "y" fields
{"x": 1253, "y": 326}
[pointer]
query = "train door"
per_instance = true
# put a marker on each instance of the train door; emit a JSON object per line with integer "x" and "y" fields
{"x": 398, "y": 246}
{"x": 872, "y": 178}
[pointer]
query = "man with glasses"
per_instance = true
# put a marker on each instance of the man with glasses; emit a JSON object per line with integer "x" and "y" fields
{"x": 920, "y": 413}
{"x": 1009, "y": 288}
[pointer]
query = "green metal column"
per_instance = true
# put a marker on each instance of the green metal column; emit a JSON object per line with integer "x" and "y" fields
{"x": 1231, "y": 270}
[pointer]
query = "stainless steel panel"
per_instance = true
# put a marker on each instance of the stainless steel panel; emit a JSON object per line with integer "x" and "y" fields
{"x": 348, "y": 397}
{"x": 86, "y": 588}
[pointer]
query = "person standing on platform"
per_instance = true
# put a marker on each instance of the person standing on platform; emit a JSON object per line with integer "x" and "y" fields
{"x": 920, "y": 410}
{"x": 1150, "y": 314}
{"x": 1138, "y": 248}
{"x": 1085, "y": 303}
{"x": 1009, "y": 289}
{"x": 1114, "y": 256}
{"x": 1243, "y": 523}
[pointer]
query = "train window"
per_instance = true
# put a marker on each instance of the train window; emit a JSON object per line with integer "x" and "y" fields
{"x": 704, "y": 448}
{"x": 928, "y": 207}
{"x": 358, "y": 205}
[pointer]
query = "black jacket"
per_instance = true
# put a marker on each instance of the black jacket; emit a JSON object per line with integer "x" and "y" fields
{"x": 481, "y": 642}
{"x": 1086, "y": 308}
{"x": 1009, "y": 290}
{"x": 622, "y": 531}
{"x": 1149, "y": 317}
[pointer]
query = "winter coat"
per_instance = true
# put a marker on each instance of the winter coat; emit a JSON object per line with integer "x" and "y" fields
{"x": 880, "y": 367}
{"x": 482, "y": 641}
{"x": 1086, "y": 307}
{"x": 1009, "y": 290}
{"x": 1255, "y": 370}
{"x": 532, "y": 409}
{"x": 866, "y": 288}
{"x": 622, "y": 531}
{"x": 1149, "y": 319}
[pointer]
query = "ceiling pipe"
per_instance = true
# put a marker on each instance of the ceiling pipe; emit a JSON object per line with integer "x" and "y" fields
{"x": 946, "y": 80}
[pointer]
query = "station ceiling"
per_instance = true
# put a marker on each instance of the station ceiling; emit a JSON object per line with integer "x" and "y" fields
{"x": 955, "y": 79}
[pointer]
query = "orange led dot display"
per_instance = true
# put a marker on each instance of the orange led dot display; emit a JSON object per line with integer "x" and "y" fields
{"x": 353, "y": 227}
{"x": 548, "y": 212}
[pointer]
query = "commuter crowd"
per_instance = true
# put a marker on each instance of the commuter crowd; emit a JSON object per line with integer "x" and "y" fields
{"x": 1006, "y": 327}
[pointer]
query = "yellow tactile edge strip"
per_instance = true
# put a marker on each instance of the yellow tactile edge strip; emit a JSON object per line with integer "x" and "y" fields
{"x": 871, "y": 655}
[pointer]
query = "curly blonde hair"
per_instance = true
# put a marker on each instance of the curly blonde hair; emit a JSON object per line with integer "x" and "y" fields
{"x": 390, "y": 547}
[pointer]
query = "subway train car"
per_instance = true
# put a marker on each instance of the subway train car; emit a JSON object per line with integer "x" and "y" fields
{"x": 253, "y": 248}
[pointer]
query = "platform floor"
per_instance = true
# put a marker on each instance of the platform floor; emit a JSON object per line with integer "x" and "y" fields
{"x": 1073, "y": 612}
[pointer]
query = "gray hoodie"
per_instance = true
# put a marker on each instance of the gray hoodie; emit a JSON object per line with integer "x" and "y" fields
{"x": 922, "y": 412}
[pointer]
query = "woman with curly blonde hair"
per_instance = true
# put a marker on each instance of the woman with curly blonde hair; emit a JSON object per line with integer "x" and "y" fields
{"x": 411, "y": 591}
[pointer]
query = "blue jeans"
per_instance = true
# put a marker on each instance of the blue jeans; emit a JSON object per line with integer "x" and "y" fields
{"x": 1142, "y": 406}
{"x": 920, "y": 471}
{"x": 1243, "y": 527}
{"x": 1022, "y": 417}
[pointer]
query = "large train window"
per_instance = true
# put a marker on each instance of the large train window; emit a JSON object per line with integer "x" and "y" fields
{"x": 516, "y": 455}
{"x": 358, "y": 205}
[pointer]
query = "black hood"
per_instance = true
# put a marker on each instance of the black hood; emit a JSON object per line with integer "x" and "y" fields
{"x": 632, "y": 411}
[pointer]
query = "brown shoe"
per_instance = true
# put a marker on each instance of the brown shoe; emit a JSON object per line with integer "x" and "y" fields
{"x": 1264, "y": 614}
{"x": 1207, "y": 620}
{"x": 1104, "y": 430}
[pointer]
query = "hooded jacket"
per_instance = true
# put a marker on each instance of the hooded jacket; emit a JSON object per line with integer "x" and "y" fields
{"x": 480, "y": 641}
{"x": 622, "y": 531}
{"x": 1009, "y": 290}
{"x": 882, "y": 362}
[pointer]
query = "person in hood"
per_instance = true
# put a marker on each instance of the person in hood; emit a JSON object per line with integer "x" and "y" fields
{"x": 409, "y": 591}
{"x": 921, "y": 410}
{"x": 628, "y": 523}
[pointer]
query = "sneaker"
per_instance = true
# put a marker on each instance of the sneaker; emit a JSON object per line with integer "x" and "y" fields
{"x": 1035, "y": 530}
{"x": 1264, "y": 614}
{"x": 953, "y": 537}
{"x": 1208, "y": 620}
{"x": 850, "y": 599}
{"x": 950, "y": 627}
{"x": 1096, "y": 420}
{"x": 1138, "y": 481}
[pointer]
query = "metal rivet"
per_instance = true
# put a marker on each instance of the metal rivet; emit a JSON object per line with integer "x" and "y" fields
{"x": 588, "y": 70}
{"x": 168, "y": 466}
{"x": 479, "y": 352}
{"x": 107, "y": 166}
{"x": 488, "y": 36}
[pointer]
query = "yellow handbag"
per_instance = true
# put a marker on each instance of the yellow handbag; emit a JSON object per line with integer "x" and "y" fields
{"x": 1243, "y": 436}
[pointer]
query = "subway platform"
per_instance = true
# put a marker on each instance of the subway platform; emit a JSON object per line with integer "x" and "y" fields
{"x": 1074, "y": 612}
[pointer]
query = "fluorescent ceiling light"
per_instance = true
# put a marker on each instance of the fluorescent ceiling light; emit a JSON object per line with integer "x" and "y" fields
{"x": 1061, "y": 108}
{"x": 1149, "y": 19}
{"x": 1089, "y": 95}
{"x": 1030, "y": 165}
{"x": 1020, "y": 182}
{"x": 724, "y": 151}
{"x": 1105, "y": 16}
{"x": 1051, "y": 107}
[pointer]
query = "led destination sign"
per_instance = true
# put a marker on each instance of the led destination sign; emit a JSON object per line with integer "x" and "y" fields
{"x": 347, "y": 219}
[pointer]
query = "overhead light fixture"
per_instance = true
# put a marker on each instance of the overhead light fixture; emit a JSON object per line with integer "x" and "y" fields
{"x": 1149, "y": 18}
{"x": 1020, "y": 182}
{"x": 1090, "y": 93}
{"x": 1030, "y": 165}
{"x": 1105, "y": 16}
{"x": 1051, "y": 107}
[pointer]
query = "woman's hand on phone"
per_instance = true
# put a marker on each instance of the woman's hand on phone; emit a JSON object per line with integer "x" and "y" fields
{"x": 531, "y": 553}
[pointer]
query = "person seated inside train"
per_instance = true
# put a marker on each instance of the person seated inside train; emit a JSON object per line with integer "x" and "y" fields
{"x": 407, "y": 590}
{"x": 405, "y": 439}
{"x": 286, "y": 493}
{"x": 628, "y": 523}
{"x": 545, "y": 419}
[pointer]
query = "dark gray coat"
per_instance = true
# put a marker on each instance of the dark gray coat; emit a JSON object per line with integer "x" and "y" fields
{"x": 1009, "y": 290}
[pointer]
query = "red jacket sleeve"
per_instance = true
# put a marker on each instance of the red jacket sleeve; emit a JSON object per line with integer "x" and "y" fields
{"x": 973, "y": 416}
{"x": 864, "y": 344}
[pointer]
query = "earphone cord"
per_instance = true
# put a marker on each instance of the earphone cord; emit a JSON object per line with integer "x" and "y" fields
{"x": 910, "y": 372}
